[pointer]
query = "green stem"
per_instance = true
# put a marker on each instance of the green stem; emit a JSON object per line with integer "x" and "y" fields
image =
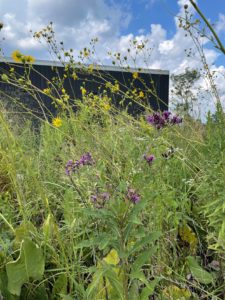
{"x": 7, "y": 223}
{"x": 220, "y": 45}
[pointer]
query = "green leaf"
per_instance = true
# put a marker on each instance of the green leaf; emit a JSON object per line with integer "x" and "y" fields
{"x": 152, "y": 237}
{"x": 139, "y": 207}
{"x": 198, "y": 272}
{"x": 30, "y": 264}
{"x": 60, "y": 285}
{"x": 3, "y": 287}
{"x": 142, "y": 259}
{"x": 115, "y": 281}
{"x": 105, "y": 276}
{"x": 134, "y": 291}
{"x": 101, "y": 241}
{"x": 36, "y": 293}
{"x": 149, "y": 289}
{"x": 23, "y": 231}
{"x": 66, "y": 297}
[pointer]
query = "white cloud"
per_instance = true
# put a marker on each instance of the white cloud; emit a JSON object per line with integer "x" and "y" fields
{"x": 220, "y": 25}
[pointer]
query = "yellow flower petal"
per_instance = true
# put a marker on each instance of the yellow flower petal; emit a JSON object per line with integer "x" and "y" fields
{"x": 57, "y": 122}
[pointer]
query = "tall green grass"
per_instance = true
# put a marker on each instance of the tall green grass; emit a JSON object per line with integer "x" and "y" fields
{"x": 169, "y": 245}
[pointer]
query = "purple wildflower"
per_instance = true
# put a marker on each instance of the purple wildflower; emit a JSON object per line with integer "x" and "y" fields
{"x": 86, "y": 159}
{"x": 176, "y": 120}
{"x": 105, "y": 196}
{"x": 166, "y": 114}
{"x": 150, "y": 119}
{"x": 149, "y": 158}
{"x": 71, "y": 166}
{"x": 156, "y": 120}
{"x": 94, "y": 198}
{"x": 99, "y": 200}
{"x": 133, "y": 196}
{"x": 161, "y": 120}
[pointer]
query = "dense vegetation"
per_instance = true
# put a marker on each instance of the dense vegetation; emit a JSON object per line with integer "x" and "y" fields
{"x": 142, "y": 214}
{"x": 97, "y": 204}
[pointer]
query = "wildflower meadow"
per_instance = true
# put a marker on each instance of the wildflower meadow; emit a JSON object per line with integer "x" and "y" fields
{"x": 98, "y": 204}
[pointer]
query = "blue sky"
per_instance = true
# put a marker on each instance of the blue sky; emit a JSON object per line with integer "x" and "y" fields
{"x": 111, "y": 20}
{"x": 146, "y": 12}
{"x": 163, "y": 11}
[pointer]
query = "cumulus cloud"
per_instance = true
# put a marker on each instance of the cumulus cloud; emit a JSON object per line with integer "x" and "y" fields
{"x": 220, "y": 25}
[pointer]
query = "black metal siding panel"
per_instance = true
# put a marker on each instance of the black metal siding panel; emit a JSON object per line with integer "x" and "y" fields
{"x": 93, "y": 84}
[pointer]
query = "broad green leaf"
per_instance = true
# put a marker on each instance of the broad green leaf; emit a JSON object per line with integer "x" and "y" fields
{"x": 140, "y": 276}
{"x": 149, "y": 286}
{"x": 149, "y": 289}
{"x": 106, "y": 278}
{"x": 150, "y": 238}
{"x": 101, "y": 241}
{"x": 139, "y": 207}
{"x": 30, "y": 264}
{"x": 97, "y": 284}
{"x": 23, "y": 231}
{"x": 143, "y": 258}
{"x": 3, "y": 287}
{"x": 198, "y": 272}
{"x": 60, "y": 285}
{"x": 134, "y": 291}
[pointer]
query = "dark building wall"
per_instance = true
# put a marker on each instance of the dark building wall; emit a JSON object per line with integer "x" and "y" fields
{"x": 94, "y": 82}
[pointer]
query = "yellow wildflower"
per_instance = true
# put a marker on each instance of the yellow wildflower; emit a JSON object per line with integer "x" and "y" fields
{"x": 63, "y": 91}
{"x": 57, "y": 122}
{"x": 106, "y": 106}
{"x": 141, "y": 94}
{"x": 17, "y": 56}
{"x": 29, "y": 59}
{"x": 116, "y": 88}
{"x": 47, "y": 91}
{"x": 91, "y": 68}
{"x": 66, "y": 97}
{"x": 83, "y": 91}
{"x": 86, "y": 52}
{"x": 140, "y": 46}
{"x": 134, "y": 91}
{"x": 135, "y": 75}
{"x": 108, "y": 84}
{"x": 74, "y": 76}
{"x": 5, "y": 77}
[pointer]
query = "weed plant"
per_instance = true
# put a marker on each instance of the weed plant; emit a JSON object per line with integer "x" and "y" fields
{"x": 103, "y": 205}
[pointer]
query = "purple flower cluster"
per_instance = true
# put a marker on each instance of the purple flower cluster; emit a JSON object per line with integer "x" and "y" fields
{"x": 133, "y": 196}
{"x": 99, "y": 200}
{"x": 149, "y": 158}
{"x": 161, "y": 120}
{"x": 71, "y": 166}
